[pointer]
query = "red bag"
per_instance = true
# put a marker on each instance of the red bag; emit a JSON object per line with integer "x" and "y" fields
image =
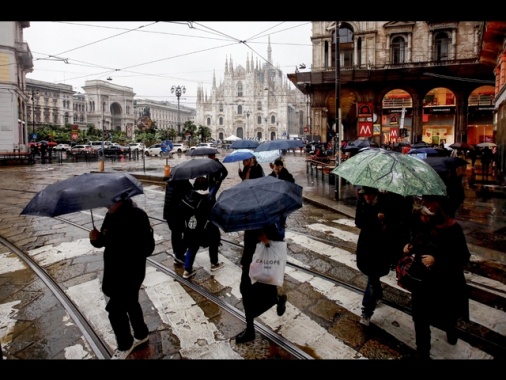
{"x": 410, "y": 272}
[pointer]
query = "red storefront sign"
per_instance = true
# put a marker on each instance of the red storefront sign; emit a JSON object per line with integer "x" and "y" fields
{"x": 364, "y": 128}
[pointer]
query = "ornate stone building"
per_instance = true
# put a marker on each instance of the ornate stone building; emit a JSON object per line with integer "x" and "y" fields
{"x": 50, "y": 104}
{"x": 254, "y": 101}
{"x": 15, "y": 62}
{"x": 110, "y": 106}
{"x": 163, "y": 112}
{"x": 493, "y": 53}
{"x": 400, "y": 81}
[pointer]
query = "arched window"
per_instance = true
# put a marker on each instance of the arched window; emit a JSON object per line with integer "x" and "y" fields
{"x": 239, "y": 89}
{"x": 208, "y": 121}
{"x": 345, "y": 47}
{"x": 239, "y": 109}
{"x": 259, "y": 119}
{"x": 66, "y": 118}
{"x": 273, "y": 119}
{"x": 398, "y": 50}
{"x": 221, "y": 120}
{"x": 441, "y": 46}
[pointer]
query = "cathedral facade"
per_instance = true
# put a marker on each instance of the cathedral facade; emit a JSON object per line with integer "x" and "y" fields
{"x": 255, "y": 101}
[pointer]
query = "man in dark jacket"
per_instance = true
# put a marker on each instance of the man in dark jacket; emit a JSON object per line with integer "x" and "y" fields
{"x": 280, "y": 172}
{"x": 124, "y": 271}
{"x": 374, "y": 248}
{"x": 174, "y": 192}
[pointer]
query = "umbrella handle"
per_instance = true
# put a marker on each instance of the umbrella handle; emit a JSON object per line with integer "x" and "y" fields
{"x": 92, "y": 221}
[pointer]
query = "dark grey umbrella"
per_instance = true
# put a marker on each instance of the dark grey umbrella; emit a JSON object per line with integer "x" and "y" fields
{"x": 195, "y": 168}
{"x": 279, "y": 144}
{"x": 443, "y": 164}
{"x": 244, "y": 144}
{"x": 82, "y": 192}
{"x": 255, "y": 203}
{"x": 359, "y": 144}
{"x": 204, "y": 151}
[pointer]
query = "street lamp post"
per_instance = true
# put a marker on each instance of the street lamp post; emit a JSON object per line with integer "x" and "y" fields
{"x": 178, "y": 90}
{"x": 101, "y": 163}
{"x": 33, "y": 110}
{"x": 248, "y": 133}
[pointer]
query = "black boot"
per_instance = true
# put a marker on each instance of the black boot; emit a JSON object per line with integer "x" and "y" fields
{"x": 245, "y": 336}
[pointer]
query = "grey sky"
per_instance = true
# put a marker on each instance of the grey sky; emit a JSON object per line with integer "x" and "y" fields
{"x": 151, "y": 57}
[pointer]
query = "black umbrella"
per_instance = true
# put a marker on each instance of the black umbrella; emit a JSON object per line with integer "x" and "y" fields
{"x": 462, "y": 146}
{"x": 359, "y": 144}
{"x": 244, "y": 144}
{"x": 195, "y": 168}
{"x": 204, "y": 151}
{"x": 444, "y": 164}
{"x": 82, "y": 192}
{"x": 255, "y": 203}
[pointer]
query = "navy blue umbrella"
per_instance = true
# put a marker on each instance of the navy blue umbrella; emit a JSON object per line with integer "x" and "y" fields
{"x": 82, "y": 192}
{"x": 239, "y": 155}
{"x": 255, "y": 203}
{"x": 244, "y": 144}
{"x": 279, "y": 144}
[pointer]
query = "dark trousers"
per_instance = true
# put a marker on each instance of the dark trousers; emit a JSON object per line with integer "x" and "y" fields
{"x": 214, "y": 242}
{"x": 124, "y": 310}
{"x": 257, "y": 298}
{"x": 373, "y": 292}
{"x": 176, "y": 239}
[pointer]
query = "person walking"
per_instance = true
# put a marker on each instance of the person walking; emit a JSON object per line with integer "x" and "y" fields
{"x": 376, "y": 246}
{"x": 251, "y": 169}
{"x": 199, "y": 230}
{"x": 215, "y": 181}
{"x": 257, "y": 298}
{"x": 217, "y": 178}
{"x": 486, "y": 159}
{"x": 442, "y": 297}
{"x": 174, "y": 192}
{"x": 124, "y": 271}
{"x": 280, "y": 172}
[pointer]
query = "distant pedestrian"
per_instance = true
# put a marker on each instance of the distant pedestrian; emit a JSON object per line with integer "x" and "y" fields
{"x": 43, "y": 150}
{"x": 251, "y": 169}
{"x": 217, "y": 178}
{"x": 486, "y": 159}
{"x": 280, "y": 172}
{"x": 471, "y": 153}
{"x": 174, "y": 193}
{"x": 124, "y": 271}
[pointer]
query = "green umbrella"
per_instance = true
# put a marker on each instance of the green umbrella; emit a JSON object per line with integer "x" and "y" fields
{"x": 392, "y": 171}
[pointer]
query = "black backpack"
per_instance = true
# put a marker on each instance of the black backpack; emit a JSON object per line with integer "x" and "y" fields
{"x": 195, "y": 209}
{"x": 147, "y": 237}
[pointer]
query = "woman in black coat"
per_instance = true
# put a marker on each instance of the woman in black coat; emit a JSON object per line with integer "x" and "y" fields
{"x": 442, "y": 297}
{"x": 257, "y": 298}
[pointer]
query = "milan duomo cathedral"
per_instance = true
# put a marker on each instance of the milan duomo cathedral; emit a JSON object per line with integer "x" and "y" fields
{"x": 253, "y": 102}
